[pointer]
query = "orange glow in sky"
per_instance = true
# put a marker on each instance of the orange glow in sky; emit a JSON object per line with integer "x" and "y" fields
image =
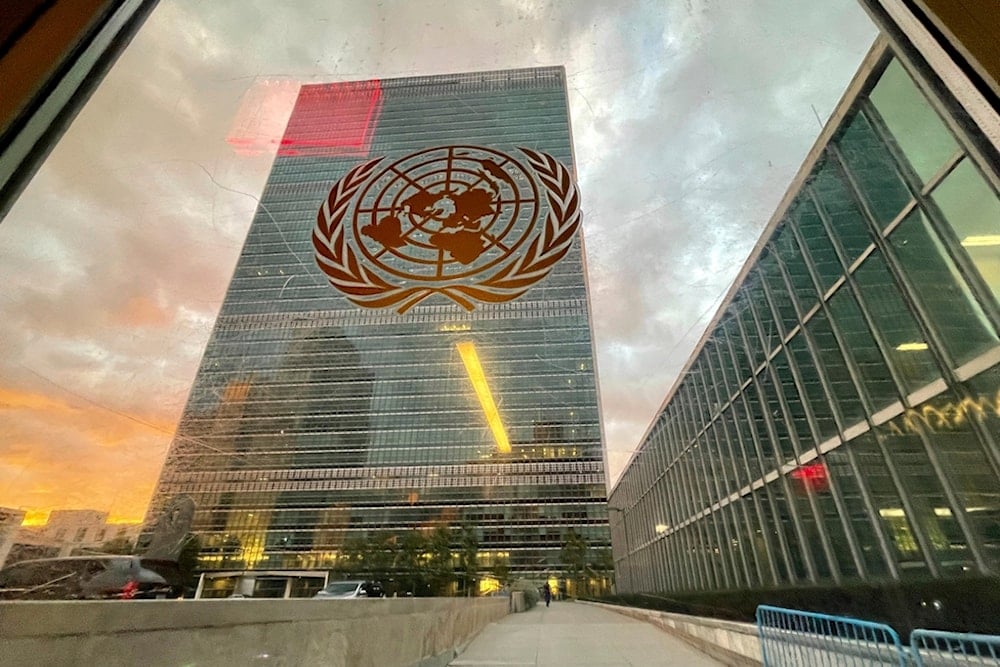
{"x": 90, "y": 457}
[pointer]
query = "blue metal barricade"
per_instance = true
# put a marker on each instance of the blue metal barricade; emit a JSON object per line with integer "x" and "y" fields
{"x": 935, "y": 648}
{"x": 791, "y": 638}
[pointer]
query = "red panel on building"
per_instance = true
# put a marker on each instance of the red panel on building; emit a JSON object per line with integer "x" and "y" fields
{"x": 334, "y": 119}
{"x": 812, "y": 477}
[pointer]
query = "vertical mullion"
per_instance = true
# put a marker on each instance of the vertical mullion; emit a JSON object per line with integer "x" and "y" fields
{"x": 700, "y": 396}
{"x": 687, "y": 424}
{"x": 722, "y": 438}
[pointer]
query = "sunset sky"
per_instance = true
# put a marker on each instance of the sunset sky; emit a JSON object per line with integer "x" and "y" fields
{"x": 690, "y": 118}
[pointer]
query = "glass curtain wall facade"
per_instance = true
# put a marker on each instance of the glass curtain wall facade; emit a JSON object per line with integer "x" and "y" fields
{"x": 312, "y": 421}
{"x": 841, "y": 419}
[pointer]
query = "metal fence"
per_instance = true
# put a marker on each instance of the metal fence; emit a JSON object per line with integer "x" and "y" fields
{"x": 933, "y": 648}
{"x": 792, "y": 638}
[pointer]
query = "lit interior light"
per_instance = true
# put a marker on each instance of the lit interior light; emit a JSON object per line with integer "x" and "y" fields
{"x": 891, "y": 512}
{"x": 911, "y": 347}
{"x": 475, "y": 370}
{"x": 981, "y": 240}
{"x": 661, "y": 528}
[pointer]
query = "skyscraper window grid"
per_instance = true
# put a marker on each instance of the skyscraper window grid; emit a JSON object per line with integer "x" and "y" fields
{"x": 313, "y": 422}
{"x": 867, "y": 423}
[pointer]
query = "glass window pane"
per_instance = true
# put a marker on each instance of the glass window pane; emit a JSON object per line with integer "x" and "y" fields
{"x": 796, "y": 410}
{"x": 700, "y": 405}
{"x": 931, "y": 510}
{"x": 949, "y": 305}
{"x": 973, "y": 211}
{"x": 812, "y": 388}
{"x": 729, "y": 376}
{"x": 798, "y": 498}
{"x": 908, "y": 350}
{"x": 718, "y": 394}
{"x": 772, "y": 337}
{"x": 896, "y": 521}
{"x": 778, "y": 290}
{"x": 716, "y": 455}
{"x": 834, "y": 367}
{"x": 797, "y": 549}
{"x": 770, "y": 536}
{"x": 756, "y": 349}
{"x": 848, "y": 480}
{"x": 984, "y": 406}
{"x": 847, "y": 221}
{"x": 916, "y": 127}
{"x": 735, "y": 450}
{"x": 945, "y": 420}
{"x": 874, "y": 170}
{"x": 786, "y": 251}
{"x": 756, "y": 419}
{"x": 847, "y": 317}
{"x": 781, "y": 441}
{"x": 818, "y": 245}
{"x": 732, "y": 335}
{"x": 834, "y": 524}
{"x": 742, "y": 414}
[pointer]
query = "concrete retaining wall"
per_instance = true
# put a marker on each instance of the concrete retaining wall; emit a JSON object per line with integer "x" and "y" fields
{"x": 734, "y": 644}
{"x": 349, "y": 633}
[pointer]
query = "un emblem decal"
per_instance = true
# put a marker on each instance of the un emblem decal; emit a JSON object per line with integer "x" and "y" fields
{"x": 466, "y": 222}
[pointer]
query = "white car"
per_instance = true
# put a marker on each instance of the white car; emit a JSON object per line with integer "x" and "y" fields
{"x": 351, "y": 589}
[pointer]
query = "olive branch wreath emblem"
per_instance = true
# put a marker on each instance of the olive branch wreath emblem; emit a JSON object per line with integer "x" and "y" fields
{"x": 364, "y": 287}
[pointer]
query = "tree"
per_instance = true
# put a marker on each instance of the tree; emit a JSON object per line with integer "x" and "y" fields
{"x": 501, "y": 571}
{"x": 352, "y": 556}
{"x": 574, "y": 555}
{"x": 380, "y": 555}
{"x": 187, "y": 559}
{"x": 440, "y": 570}
{"x": 409, "y": 565}
{"x": 469, "y": 557}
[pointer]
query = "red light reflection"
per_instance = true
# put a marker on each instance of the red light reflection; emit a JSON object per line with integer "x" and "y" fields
{"x": 812, "y": 477}
{"x": 328, "y": 119}
{"x": 334, "y": 119}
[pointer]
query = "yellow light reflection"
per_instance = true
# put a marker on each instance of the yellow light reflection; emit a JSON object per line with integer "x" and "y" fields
{"x": 981, "y": 240}
{"x": 911, "y": 347}
{"x": 35, "y": 518}
{"x": 489, "y": 585}
{"x": 475, "y": 370}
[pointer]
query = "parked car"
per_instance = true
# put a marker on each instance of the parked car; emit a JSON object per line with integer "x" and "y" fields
{"x": 90, "y": 578}
{"x": 351, "y": 589}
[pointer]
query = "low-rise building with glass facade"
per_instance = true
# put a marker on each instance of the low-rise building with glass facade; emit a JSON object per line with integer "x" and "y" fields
{"x": 314, "y": 423}
{"x": 840, "y": 419}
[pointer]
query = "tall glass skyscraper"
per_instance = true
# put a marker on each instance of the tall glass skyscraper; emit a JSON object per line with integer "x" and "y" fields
{"x": 840, "y": 420}
{"x": 322, "y": 414}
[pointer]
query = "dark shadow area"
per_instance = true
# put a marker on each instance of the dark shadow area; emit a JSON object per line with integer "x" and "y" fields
{"x": 968, "y": 605}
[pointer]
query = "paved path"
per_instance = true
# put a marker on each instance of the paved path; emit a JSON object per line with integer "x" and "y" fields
{"x": 573, "y": 633}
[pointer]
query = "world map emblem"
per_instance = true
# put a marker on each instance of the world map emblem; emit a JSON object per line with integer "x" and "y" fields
{"x": 469, "y": 223}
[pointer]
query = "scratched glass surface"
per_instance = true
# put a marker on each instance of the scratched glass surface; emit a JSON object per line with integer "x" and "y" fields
{"x": 688, "y": 121}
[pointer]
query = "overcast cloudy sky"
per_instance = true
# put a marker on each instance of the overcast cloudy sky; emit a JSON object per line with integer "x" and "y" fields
{"x": 690, "y": 118}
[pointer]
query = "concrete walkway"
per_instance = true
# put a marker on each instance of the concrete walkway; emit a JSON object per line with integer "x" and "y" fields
{"x": 572, "y": 633}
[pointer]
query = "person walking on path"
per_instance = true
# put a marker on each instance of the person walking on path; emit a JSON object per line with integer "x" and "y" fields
{"x": 547, "y": 594}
